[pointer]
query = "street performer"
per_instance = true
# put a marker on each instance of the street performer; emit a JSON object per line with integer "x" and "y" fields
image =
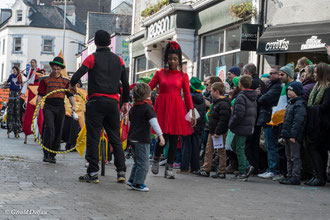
{"x": 54, "y": 111}
{"x": 105, "y": 71}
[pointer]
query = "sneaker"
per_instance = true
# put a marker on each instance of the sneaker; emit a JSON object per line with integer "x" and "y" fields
{"x": 142, "y": 187}
{"x": 219, "y": 176}
{"x": 89, "y": 179}
{"x": 250, "y": 170}
{"x": 266, "y": 175}
{"x": 154, "y": 167}
{"x": 290, "y": 181}
{"x": 121, "y": 177}
{"x": 240, "y": 177}
{"x": 163, "y": 162}
{"x": 176, "y": 165}
{"x": 278, "y": 177}
{"x": 129, "y": 183}
{"x": 203, "y": 173}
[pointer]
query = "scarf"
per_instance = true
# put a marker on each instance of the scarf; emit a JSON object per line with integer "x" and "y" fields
{"x": 319, "y": 96}
{"x": 146, "y": 101}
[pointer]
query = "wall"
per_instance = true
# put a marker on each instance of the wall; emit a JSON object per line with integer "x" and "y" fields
{"x": 296, "y": 11}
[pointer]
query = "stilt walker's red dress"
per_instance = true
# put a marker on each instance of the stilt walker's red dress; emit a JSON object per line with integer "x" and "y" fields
{"x": 28, "y": 115}
{"x": 169, "y": 106}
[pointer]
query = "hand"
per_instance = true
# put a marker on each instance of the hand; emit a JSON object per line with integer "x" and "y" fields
{"x": 328, "y": 49}
{"x": 216, "y": 136}
{"x": 124, "y": 109}
{"x": 193, "y": 118}
{"x": 73, "y": 108}
{"x": 73, "y": 89}
{"x": 161, "y": 140}
{"x": 293, "y": 140}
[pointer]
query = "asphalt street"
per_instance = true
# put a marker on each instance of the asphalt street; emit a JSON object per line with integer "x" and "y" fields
{"x": 32, "y": 189}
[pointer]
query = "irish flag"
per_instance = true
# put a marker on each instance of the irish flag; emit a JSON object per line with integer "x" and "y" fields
{"x": 279, "y": 110}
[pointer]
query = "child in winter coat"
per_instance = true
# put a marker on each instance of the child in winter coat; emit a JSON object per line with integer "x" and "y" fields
{"x": 293, "y": 132}
{"x": 141, "y": 116}
{"x": 218, "y": 125}
{"x": 242, "y": 123}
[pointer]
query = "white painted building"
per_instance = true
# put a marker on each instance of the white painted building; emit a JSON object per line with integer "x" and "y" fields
{"x": 36, "y": 32}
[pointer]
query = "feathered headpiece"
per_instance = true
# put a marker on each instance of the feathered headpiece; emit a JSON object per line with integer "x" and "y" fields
{"x": 174, "y": 45}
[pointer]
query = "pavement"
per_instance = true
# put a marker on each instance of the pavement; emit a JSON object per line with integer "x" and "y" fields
{"x": 32, "y": 189}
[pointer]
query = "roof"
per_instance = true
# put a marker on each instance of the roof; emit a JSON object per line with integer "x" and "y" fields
{"x": 123, "y": 7}
{"x": 107, "y": 22}
{"x": 46, "y": 16}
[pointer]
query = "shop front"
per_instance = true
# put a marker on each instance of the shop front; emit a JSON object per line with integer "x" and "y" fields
{"x": 288, "y": 43}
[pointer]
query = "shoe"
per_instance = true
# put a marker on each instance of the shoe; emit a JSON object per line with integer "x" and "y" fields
{"x": 129, "y": 183}
{"x": 309, "y": 181}
{"x": 240, "y": 177}
{"x": 8, "y": 133}
{"x": 290, "y": 181}
{"x": 266, "y": 175}
{"x": 142, "y": 187}
{"x": 203, "y": 173}
{"x": 46, "y": 158}
{"x": 169, "y": 171}
{"x": 184, "y": 172}
{"x": 176, "y": 166}
{"x": 316, "y": 182}
{"x": 52, "y": 159}
{"x": 278, "y": 177}
{"x": 232, "y": 167}
{"x": 163, "y": 162}
{"x": 89, "y": 179}
{"x": 121, "y": 177}
{"x": 155, "y": 167}
{"x": 219, "y": 176}
{"x": 250, "y": 171}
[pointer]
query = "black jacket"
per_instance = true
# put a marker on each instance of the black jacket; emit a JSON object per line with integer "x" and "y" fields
{"x": 244, "y": 114}
{"x": 199, "y": 104}
{"x": 219, "y": 116}
{"x": 295, "y": 119}
{"x": 269, "y": 100}
{"x": 318, "y": 122}
{"x": 258, "y": 83}
{"x": 105, "y": 72}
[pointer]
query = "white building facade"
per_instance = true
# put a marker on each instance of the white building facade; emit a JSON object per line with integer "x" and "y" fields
{"x": 25, "y": 36}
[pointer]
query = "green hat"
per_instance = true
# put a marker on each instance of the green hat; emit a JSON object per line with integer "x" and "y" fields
{"x": 58, "y": 61}
{"x": 196, "y": 85}
{"x": 289, "y": 70}
{"x": 265, "y": 75}
{"x": 236, "y": 81}
{"x": 145, "y": 79}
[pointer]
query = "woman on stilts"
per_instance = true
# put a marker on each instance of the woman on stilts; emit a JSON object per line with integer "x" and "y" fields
{"x": 169, "y": 106}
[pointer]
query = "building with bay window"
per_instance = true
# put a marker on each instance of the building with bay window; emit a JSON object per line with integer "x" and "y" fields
{"x": 209, "y": 36}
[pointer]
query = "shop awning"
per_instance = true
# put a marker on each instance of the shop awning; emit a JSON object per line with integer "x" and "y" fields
{"x": 302, "y": 37}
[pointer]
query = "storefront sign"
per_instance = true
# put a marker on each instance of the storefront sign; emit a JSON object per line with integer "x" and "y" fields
{"x": 249, "y": 37}
{"x": 159, "y": 27}
{"x": 278, "y": 45}
{"x": 312, "y": 43}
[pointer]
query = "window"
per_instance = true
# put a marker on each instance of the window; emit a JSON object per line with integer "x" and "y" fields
{"x": 17, "y": 64}
{"x": 3, "y": 46}
{"x": 17, "y": 44}
{"x": 19, "y": 15}
{"x": 222, "y": 48}
{"x": 141, "y": 64}
{"x": 2, "y": 69}
{"x": 46, "y": 66}
{"x": 48, "y": 45}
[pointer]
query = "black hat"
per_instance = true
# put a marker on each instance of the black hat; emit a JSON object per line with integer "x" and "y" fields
{"x": 297, "y": 87}
{"x": 102, "y": 38}
{"x": 58, "y": 61}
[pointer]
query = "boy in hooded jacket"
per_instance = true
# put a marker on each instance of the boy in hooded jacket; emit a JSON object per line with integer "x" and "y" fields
{"x": 293, "y": 132}
{"x": 242, "y": 123}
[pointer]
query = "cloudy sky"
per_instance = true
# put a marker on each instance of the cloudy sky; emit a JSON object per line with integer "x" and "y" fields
{"x": 6, "y": 3}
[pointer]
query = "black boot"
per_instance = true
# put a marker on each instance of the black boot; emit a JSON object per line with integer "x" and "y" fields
{"x": 46, "y": 157}
{"x": 52, "y": 158}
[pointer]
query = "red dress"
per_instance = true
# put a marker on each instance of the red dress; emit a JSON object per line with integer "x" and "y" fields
{"x": 169, "y": 106}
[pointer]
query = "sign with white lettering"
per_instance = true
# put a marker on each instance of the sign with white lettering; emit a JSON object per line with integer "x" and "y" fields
{"x": 159, "y": 27}
{"x": 277, "y": 45}
{"x": 312, "y": 43}
{"x": 249, "y": 36}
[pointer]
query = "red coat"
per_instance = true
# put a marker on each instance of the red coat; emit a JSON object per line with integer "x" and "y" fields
{"x": 169, "y": 106}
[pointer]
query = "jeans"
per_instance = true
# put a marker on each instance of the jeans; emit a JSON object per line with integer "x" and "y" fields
{"x": 103, "y": 112}
{"x": 238, "y": 146}
{"x": 141, "y": 163}
{"x": 292, "y": 151}
{"x": 271, "y": 141}
{"x": 190, "y": 152}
